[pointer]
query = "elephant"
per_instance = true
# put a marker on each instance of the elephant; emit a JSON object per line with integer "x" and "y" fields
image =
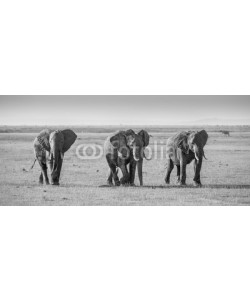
{"x": 50, "y": 145}
{"x": 123, "y": 148}
{"x": 182, "y": 148}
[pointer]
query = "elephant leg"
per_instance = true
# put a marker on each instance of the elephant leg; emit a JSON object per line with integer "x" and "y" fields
{"x": 139, "y": 168}
{"x": 55, "y": 174}
{"x": 50, "y": 162}
{"x": 126, "y": 177}
{"x": 43, "y": 172}
{"x": 41, "y": 158}
{"x": 59, "y": 168}
{"x": 178, "y": 173}
{"x": 110, "y": 178}
{"x": 183, "y": 173}
{"x": 114, "y": 174}
{"x": 170, "y": 166}
{"x": 45, "y": 175}
{"x": 132, "y": 169}
{"x": 113, "y": 170}
{"x": 41, "y": 178}
{"x": 197, "y": 170}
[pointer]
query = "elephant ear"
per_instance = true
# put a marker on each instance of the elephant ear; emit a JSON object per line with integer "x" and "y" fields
{"x": 119, "y": 144}
{"x": 43, "y": 139}
{"x": 69, "y": 139}
{"x": 114, "y": 140}
{"x": 180, "y": 141}
{"x": 118, "y": 140}
{"x": 145, "y": 137}
{"x": 201, "y": 138}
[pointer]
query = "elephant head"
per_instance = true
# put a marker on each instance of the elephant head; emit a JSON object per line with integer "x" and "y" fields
{"x": 138, "y": 142}
{"x": 59, "y": 141}
{"x": 117, "y": 146}
{"x": 193, "y": 141}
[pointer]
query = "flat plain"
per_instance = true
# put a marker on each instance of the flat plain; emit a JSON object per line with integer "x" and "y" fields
{"x": 225, "y": 174}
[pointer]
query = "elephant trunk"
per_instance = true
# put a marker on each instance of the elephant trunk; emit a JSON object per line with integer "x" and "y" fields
{"x": 144, "y": 156}
{"x": 54, "y": 158}
{"x": 57, "y": 157}
{"x": 139, "y": 167}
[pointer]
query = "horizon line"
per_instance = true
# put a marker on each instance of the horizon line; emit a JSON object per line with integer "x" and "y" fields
{"x": 120, "y": 125}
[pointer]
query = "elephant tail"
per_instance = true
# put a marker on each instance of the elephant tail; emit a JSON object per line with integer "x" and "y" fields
{"x": 33, "y": 164}
{"x": 24, "y": 170}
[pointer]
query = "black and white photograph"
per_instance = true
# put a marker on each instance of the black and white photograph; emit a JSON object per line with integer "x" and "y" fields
{"x": 125, "y": 150}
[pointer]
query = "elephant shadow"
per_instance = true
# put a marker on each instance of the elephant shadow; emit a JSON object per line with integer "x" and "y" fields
{"x": 209, "y": 186}
{"x": 205, "y": 186}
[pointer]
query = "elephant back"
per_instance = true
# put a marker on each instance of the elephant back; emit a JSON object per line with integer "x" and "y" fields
{"x": 69, "y": 139}
{"x": 43, "y": 139}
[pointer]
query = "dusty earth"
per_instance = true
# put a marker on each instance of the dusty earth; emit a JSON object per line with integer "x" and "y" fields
{"x": 225, "y": 175}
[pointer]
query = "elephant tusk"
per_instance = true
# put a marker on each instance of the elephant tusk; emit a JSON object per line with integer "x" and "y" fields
{"x": 146, "y": 157}
{"x": 134, "y": 155}
{"x": 33, "y": 164}
{"x": 62, "y": 155}
{"x": 195, "y": 149}
{"x": 119, "y": 154}
{"x": 196, "y": 157}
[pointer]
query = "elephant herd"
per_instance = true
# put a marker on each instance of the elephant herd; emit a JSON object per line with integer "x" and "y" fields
{"x": 123, "y": 150}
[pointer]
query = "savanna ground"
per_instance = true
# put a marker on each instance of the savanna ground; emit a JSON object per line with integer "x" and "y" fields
{"x": 225, "y": 175}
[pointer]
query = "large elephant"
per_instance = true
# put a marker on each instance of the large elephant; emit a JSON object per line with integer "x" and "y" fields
{"x": 182, "y": 148}
{"x": 117, "y": 153}
{"x": 123, "y": 148}
{"x": 50, "y": 146}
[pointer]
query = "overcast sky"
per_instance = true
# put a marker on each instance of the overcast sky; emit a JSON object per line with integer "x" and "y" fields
{"x": 116, "y": 110}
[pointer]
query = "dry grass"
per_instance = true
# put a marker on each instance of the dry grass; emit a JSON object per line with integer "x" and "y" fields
{"x": 225, "y": 175}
